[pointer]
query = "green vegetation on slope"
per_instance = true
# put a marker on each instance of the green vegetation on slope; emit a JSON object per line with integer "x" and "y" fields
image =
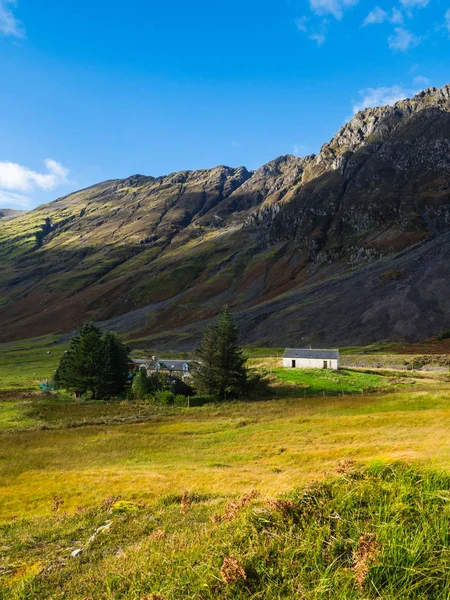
{"x": 378, "y": 533}
{"x": 316, "y": 381}
{"x": 24, "y": 364}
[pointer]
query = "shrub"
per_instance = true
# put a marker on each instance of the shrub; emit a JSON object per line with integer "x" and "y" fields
{"x": 181, "y": 400}
{"x": 200, "y": 400}
{"x": 165, "y": 397}
{"x": 180, "y": 387}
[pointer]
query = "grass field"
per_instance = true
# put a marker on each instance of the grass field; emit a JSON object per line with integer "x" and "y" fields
{"x": 65, "y": 462}
{"x": 379, "y": 533}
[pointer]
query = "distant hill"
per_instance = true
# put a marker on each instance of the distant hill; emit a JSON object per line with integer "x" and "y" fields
{"x": 10, "y": 213}
{"x": 344, "y": 247}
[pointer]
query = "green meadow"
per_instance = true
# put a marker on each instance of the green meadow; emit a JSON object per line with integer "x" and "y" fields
{"x": 334, "y": 485}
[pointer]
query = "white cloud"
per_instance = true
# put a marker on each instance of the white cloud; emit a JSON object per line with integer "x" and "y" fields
{"x": 396, "y": 17}
{"x": 16, "y": 177}
{"x": 414, "y": 3}
{"x": 9, "y": 25}
{"x": 380, "y": 97}
{"x": 377, "y": 15}
{"x": 402, "y": 40}
{"x": 17, "y": 180}
{"x": 421, "y": 80}
{"x": 331, "y": 7}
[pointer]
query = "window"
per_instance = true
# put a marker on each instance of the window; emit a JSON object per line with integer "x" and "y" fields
{"x": 293, "y": 364}
{"x": 325, "y": 364}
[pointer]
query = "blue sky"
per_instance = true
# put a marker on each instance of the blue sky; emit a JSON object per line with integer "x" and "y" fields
{"x": 93, "y": 90}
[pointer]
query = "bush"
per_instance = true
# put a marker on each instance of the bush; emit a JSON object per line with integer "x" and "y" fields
{"x": 180, "y": 387}
{"x": 165, "y": 398}
{"x": 444, "y": 335}
{"x": 181, "y": 400}
{"x": 200, "y": 400}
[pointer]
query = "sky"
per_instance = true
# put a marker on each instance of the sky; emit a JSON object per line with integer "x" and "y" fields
{"x": 93, "y": 89}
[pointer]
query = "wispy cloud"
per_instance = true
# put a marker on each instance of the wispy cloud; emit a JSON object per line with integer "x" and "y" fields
{"x": 12, "y": 200}
{"x": 377, "y": 15}
{"x": 380, "y": 96}
{"x": 402, "y": 40}
{"x": 414, "y": 3}
{"x": 447, "y": 20}
{"x": 16, "y": 181}
{"x": 317, "y": 33}
{"x": 9, "y": 25}
{"x": 331, "y": 7}
{"x": 397, "y": 17}
{"x": 421, "y": 80}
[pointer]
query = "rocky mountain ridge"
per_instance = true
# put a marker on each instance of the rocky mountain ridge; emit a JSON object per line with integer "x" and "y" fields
{"x": 158, "y": 256}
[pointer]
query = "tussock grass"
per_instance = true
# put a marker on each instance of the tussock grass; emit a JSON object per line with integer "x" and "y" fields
{"x": 382, "y": 532}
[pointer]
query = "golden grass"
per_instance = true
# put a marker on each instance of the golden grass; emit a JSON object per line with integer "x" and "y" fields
{"x": 229, "y": 449}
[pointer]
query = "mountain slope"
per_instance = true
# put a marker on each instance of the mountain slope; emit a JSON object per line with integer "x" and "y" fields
{"x": 158, "y": 257}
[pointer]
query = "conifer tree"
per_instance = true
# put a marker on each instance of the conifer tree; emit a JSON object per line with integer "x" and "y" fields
{"x": 221, "y": 367}
{"x": 232, "y": 373}
{"x": 205, "y": 374}
{"x": 93, "y": 364}
{"x": 113, "y": 367}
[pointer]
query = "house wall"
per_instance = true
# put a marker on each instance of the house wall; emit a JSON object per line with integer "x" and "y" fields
{"x": 310, "y": 363}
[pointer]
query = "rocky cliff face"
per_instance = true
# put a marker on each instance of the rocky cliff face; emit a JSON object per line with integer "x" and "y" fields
{"x": 158, "y": 257}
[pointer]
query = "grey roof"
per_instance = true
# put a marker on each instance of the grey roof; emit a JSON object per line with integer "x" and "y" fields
{"x": 172, "y": 365}
{"x": 310, "y": 353}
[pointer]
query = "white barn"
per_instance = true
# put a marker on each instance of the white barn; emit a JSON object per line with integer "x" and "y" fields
{"x": 307, "y": 358}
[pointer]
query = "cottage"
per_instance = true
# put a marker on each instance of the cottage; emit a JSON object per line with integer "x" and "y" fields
{"x": 179, "y": 368}
{"x": 172, "y": 366}
{"x": 307, "y": 358}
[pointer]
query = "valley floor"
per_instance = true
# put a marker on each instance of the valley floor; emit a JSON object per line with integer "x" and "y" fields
{"x": 84, "y": 452}
{"x": 167, "y": 479}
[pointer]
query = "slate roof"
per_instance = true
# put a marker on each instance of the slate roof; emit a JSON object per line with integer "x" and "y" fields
{"x": 172, "y": 365}
{"x": 310, "y": 353}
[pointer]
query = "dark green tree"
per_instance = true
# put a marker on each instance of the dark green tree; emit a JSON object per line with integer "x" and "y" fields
{"x": 113, "y": 367}
{"x": 93, "y": 364}
{"x": 205, "y": 374}
{"x": 221, "y": 369}
{"x": 232, "y": 372}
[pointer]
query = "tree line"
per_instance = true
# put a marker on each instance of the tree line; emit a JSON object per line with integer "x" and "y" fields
{"x": 97, "y": 364}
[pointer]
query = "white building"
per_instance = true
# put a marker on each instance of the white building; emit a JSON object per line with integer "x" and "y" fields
{"x": 307, "y": 358}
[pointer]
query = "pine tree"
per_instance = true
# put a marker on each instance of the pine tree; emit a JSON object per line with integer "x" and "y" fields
{"x": 221, "y": 370}
{"x": 232, "y": 373}
{"x": 205, "y": 375}
{"x": 93, "y": 364}
{"x": 113, "y": 373}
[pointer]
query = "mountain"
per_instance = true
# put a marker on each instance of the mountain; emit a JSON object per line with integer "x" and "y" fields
{"x": 347, "y": 246}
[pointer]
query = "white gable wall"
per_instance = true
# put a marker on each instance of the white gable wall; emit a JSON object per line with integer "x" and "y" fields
{"x": 311, "y": 363}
